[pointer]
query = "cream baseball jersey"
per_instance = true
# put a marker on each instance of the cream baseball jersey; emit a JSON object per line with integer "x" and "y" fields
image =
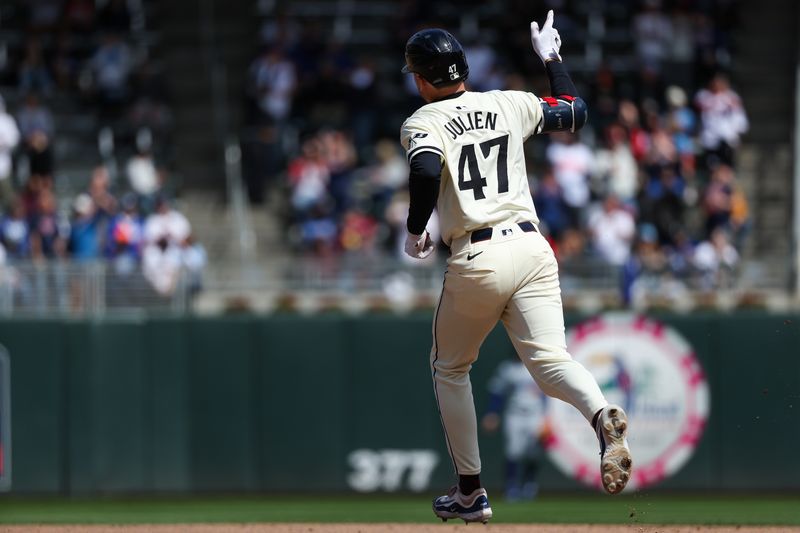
{"x": 479, "y": 137}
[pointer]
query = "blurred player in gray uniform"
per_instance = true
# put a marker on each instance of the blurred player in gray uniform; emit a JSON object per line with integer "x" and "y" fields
{"x": 465, "y": 153}
{"x": 518, "y": 406}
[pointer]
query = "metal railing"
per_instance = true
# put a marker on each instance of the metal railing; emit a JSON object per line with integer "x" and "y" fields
{"x": 349, "y": 282}
{"x": 353, "y": 283}
{"x": 61, "y": 288}
{"x": 361, "y": 283}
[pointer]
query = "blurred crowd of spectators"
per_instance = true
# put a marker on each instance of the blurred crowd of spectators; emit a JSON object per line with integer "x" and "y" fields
{"x": 648, "y": 188}
{"x": 79, "y": 54}
{"x": 85, "y": 50}
{"x": 135, "y": 233}
{"x": 656, "y": 196}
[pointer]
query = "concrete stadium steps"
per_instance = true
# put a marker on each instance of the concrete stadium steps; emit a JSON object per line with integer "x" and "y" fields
{"x": 213, "y": 224}
{"x": 766, "y": 50}
{"x": 208, "y": 46}
{"x": 764, "y": 67}
{"x": 766, "y": 179}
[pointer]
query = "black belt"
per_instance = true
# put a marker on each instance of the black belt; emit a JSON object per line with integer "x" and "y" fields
{"x": 484, "y": 234}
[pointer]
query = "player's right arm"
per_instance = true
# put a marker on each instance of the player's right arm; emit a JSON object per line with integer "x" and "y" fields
{"x": 566, "y": 111}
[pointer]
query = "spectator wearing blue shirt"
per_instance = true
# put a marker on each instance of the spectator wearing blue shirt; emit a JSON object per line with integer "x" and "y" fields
{"x": 550, "y": 206}
{"x": 84, "y": 240}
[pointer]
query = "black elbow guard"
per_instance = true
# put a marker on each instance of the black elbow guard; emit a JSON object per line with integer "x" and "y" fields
{"x": 564, "y": 113}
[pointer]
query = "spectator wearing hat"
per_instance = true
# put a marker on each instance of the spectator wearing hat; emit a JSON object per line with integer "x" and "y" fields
{"x": 84, "y": 238}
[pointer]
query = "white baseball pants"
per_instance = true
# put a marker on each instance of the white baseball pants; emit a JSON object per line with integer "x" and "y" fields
{"x": 511, "y": 277}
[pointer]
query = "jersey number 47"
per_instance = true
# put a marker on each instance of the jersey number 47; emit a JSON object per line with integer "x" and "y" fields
{"x": 469, "y": 173}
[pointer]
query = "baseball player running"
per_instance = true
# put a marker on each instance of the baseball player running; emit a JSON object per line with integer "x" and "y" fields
{"x": 465, "y": 152}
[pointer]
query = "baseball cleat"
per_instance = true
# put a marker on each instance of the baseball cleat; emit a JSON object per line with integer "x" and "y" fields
{"x": 472, "y": 508}
{"x": 615, "y": 456}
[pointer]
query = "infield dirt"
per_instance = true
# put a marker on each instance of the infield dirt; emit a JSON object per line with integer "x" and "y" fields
{"x": 391, "y": 528}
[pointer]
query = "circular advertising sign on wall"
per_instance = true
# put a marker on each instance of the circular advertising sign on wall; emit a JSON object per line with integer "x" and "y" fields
{"x": 652, "y": 372}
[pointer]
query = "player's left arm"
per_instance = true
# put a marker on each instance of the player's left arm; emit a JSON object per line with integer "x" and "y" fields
{"x": 423, "y": 189}
{"x": 566, "y": 111}
{"x": 425, "y": 167}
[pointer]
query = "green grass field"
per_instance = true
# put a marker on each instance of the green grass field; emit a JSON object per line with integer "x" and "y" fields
{"x": 634, "y": 509}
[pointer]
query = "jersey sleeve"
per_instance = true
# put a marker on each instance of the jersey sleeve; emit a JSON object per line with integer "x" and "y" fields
{"x": 418, "y": 136}
{"x": 529, "y": 111}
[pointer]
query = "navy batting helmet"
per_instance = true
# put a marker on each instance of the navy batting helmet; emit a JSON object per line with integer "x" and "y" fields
{"x": 437, "y": 56}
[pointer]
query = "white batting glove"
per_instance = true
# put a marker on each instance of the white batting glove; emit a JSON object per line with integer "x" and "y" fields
{"x": 546, "y": 42}
{"x": 419, "y": 246}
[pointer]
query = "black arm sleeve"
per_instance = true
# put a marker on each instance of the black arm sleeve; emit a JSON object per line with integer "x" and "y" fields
{"x": 560, "y": 82}
{"x": 565, "y": 110}
{"x": 423, "y": 189}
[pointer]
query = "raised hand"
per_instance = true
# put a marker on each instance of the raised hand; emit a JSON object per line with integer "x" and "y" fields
{"x": 546, "y": 41}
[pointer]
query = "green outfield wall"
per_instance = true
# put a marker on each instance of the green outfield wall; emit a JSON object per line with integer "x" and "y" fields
{"x": 333, "y": 403}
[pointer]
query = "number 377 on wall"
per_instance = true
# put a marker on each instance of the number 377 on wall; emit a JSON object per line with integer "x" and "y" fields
{"x": 391, "y": 470}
